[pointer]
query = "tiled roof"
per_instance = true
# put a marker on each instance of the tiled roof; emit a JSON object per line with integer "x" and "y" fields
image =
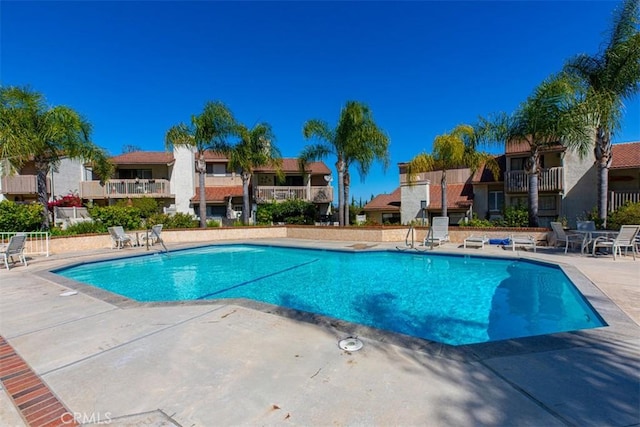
{"x": 385, "y": 202}
{"x": 144, "y": 157}
{"x": 626, "y": 155}
{"x": 521, "y": 147}
{"x": 484, "y": 175}
{"x": 214, "y": 155}
{"x": 291, "y": 165}
{"x": 218, "y": 194}
{"x": 458, "y": 196}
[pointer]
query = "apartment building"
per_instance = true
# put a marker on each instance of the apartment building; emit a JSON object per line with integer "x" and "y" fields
{"x": 567, "y": 187}
{"x": 171, "y": 179}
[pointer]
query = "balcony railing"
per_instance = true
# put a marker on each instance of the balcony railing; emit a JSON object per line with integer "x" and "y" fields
{"x": 321, "y": 194}
{"x": 619, "y": 198}
{"x": 125, "y": 188}
{"x": 20, "y": 184}
{"x": 548, "y": 180}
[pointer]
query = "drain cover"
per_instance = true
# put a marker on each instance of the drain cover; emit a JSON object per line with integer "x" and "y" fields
{"x": 350, "y": 344}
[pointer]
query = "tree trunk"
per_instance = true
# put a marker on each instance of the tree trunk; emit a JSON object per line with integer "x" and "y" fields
{"x": 533, "y": 200}
{"x": 347, "y": 183}
{"x": 443, "y": 189}
{"x": 246, "y": 206}
{"x": 603, "y": 153}
{"x": 340, "y": 169}
{"x": 42, "y": 169}
{"x": 202, "y": 195}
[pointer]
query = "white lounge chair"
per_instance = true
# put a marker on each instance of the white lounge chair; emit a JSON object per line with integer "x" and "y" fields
{"x": 153, "y": 236}
{"x": 15, "y": 247}
{"x": 567, "y": 239}
{"x": 119, "y": 237}
{"x": 476, "y": 241}
{"x": 522, "y": 242}
{"x": 626, "y": 239}
{"x": 438, "y": 232}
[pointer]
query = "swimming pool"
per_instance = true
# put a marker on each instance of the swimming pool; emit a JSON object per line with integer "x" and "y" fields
{"x": 451, "y": 299}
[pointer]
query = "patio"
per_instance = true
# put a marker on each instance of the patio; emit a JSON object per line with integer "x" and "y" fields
{"x": 242, "y": 363}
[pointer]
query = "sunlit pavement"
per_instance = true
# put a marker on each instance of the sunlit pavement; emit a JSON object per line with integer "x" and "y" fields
{"x": 238, "y": 363}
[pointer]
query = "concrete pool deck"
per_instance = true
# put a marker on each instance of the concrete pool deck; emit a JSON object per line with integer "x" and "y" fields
{"x": 228, "y": 363}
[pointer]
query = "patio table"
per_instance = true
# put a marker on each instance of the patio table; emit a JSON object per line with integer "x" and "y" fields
{"x": 590, "y": 235}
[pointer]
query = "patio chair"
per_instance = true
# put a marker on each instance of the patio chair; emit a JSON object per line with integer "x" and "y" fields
{"x": 154, "y": 235}
{"x": 119, "y": 238}
{"x": 476, "y": 241}
{"x": 626, "y": 239}
{"x": 563, "y": 237}
{"x": 15, "y": 247}
{"x": 438, "y": 232}
{"x": 521, "y": 241}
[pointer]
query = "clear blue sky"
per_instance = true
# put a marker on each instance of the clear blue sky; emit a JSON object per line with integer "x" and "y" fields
{"x": 134, "y": 69}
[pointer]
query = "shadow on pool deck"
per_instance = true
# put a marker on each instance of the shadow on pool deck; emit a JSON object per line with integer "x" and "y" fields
{"x": 245, "y": 363}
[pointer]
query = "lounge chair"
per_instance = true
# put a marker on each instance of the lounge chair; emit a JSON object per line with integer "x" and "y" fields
{"x": 476, "y": 241}
{"x": 626, "y": 239}
{"x": 15, "y": 247}
{"x": 438, "y": 232}
{"x": 119, "y": 237}
{"x": 153, "y": 236}
{"x": 567, "y": 239}
{"x": 522, "y": 241}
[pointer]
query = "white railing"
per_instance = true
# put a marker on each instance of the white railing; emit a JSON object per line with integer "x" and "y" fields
{"x": 316, "y": 194}
{"x": 123, "y": 188}
{"x": 37, "y": 242}
{"x": 548, "y": 180}
{"x": 619, "y": 198}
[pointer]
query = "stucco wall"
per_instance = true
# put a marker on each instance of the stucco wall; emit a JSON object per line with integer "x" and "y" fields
{"x": 183, "y": 179}
{"x": 67, "y": 178}
{"x": 580, "y": 184}
{"x": 410, "y": 198}
{"x": 62, "y": 245}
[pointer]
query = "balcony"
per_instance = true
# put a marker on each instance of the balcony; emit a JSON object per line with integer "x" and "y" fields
{"x": 620, "y": 198}
{"x": 321, "y": 194}
{"x": 548, "y": 180}
{"x": 20, "y": 184}
{"x": 125, "y": 188}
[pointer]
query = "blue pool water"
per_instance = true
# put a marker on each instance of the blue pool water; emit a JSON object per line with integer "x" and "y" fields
{"x": 450, "y": 299}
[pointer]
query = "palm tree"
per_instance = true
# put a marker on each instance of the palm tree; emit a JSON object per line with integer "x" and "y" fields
{"x": 207, "y": 131}
{"x": 31, "y": 130}
{"x": 356, "y": 140}
{"x": 256, "y": 148}
{"x": 452, "y": 150}
{"x": 546, "y": 119}
{"x": 609, "y": 79}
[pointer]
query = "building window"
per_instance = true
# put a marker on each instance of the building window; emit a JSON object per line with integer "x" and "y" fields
{"x": 517, "y": 163}
{"x": 216, "y": 169}
{"x": 293, "y": 181}
{"x": 547, "y": 203}
{"x": 134, "y": 173}
{"x": 391, "y": 218}
{"x": 496, "y": 201}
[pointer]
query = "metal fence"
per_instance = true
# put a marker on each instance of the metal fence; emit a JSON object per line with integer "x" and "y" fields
{"x": 37, "y": 242}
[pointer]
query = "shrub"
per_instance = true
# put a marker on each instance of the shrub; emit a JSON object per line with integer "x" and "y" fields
{"x": 514, "y": 216}
{"x": 179, "y": 220}
{"x": 289, "y": 212}
{"x": 16, "y": 217}
{"x": 477, "y": 222}
{"x": 127, "y": 217}
{"x": 146, "y": 205}
{"x": 84, "y": 227}
{"x": 629, "y": 213}
{"x": 213, "y": 223}
{"x": 70, "y": 200}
